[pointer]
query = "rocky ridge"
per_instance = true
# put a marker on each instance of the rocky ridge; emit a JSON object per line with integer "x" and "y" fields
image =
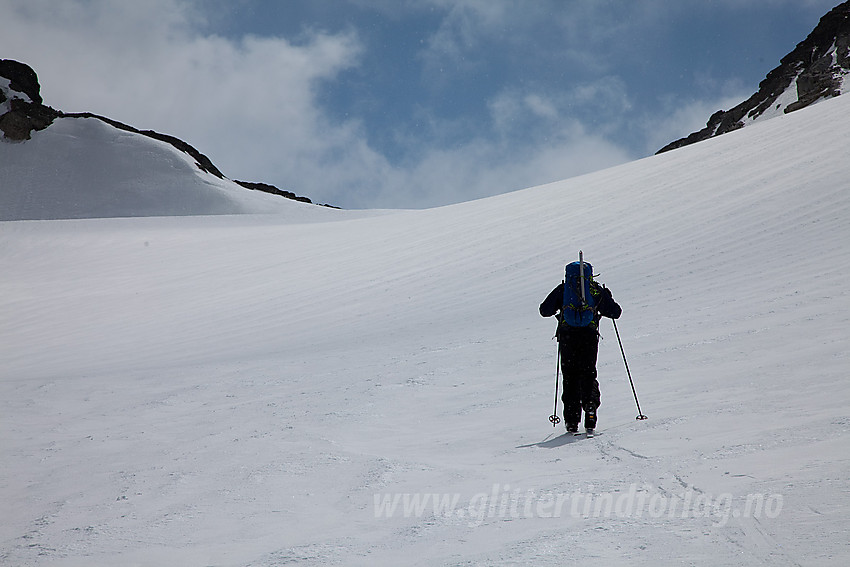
{"x": 816, "y": 69}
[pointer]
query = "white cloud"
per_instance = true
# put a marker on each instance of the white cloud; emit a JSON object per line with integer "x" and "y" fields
{"x": 541, "y": 106}
{"x": 506, "y": 110}
{"x": 484, "y": 167}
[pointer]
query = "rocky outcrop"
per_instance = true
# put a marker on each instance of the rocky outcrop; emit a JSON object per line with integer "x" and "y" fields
{"x": 22, "y": 111}
{"x": 22, "y": 79}
{"x": 816, "y": 69}
{"x": 21, "y": 108}
{"x": 271, "y": 189}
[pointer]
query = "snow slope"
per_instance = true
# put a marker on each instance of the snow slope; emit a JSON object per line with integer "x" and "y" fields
{"x": 86, "y": 168}
{"x": 242, "y": 390}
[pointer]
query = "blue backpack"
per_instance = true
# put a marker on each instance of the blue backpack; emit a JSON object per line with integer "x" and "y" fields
{"x": 578, "y": 312}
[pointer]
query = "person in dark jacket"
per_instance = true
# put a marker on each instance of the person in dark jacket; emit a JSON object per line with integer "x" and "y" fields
{"x": 578, "y": 348}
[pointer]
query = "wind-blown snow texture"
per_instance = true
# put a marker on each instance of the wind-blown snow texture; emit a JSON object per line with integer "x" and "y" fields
{"x": 243, "y": 390}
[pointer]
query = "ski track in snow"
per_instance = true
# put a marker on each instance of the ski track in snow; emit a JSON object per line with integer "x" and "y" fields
{"x": 238, "y": 390}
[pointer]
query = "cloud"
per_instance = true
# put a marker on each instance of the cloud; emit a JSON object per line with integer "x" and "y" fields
{"x": 541, "y": 106}
{"x": 493, "y": 164}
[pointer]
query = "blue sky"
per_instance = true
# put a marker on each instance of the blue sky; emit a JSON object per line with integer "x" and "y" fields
{"x": 381, "y": 103}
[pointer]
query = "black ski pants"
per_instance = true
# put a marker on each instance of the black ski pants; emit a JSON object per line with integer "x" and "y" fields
{"x": 578, "y": 347}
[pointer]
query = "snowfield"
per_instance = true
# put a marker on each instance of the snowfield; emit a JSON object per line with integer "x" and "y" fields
{"x": 360, "y": 389}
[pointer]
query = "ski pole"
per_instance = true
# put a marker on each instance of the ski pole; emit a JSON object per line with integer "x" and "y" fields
{"x": 640, "y": 414}
{"x": 581, "y": 277}
{"x": 554, "y": 417}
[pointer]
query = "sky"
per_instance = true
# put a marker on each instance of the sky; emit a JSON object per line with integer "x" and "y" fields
{"x": 406, "y": 103}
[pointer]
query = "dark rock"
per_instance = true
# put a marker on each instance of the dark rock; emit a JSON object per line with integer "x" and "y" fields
{"x": 17, "y": 124}
{"x": 23, "y": 78}
{"x": 266, "y": 188}
{"x": 23, "y": 116}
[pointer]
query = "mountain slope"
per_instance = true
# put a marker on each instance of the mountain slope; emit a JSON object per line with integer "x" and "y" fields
{"x": 86, "y": 168}
{"x": 815, "y": 70}
{"x": 199, "y": 391}
{"x": 55, "y": 165}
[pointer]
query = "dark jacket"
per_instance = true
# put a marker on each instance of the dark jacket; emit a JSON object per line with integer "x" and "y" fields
{"x": 605, "y": 306}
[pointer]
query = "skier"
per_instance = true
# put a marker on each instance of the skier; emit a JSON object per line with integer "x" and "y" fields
{"x": 578, "y": 342}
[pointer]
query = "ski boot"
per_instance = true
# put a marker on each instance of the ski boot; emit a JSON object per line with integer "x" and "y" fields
{"x": 590, "y": 421}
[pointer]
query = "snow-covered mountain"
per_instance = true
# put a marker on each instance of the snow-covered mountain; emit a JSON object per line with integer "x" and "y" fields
{"x": 55, "y": 165}
{"x": 815, "y": 70}
{"x": 255, "y": 390}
